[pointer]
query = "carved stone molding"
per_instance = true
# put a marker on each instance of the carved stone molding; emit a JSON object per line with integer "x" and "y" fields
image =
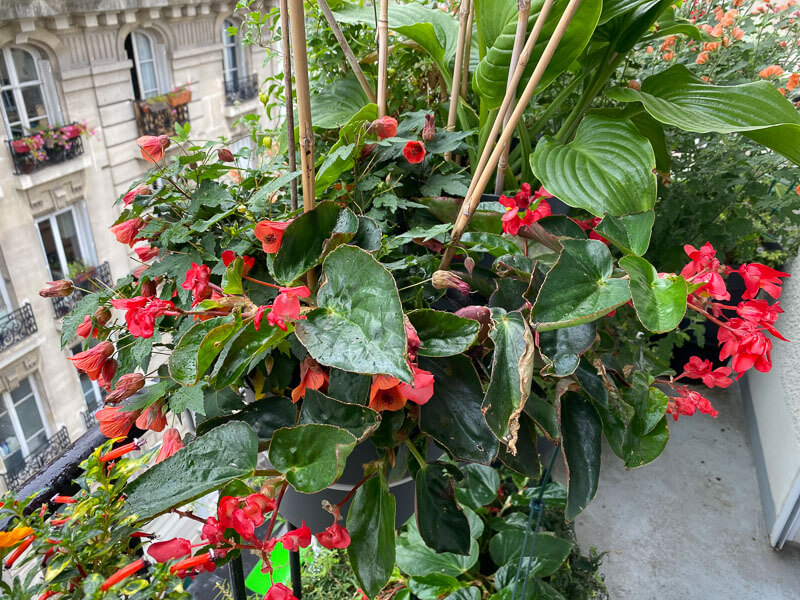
{"x": 18, "y": 370}
{"x": 56, "y": 195}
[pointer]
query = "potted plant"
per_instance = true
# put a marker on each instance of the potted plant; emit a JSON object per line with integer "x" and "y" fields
{"x": 391, "y": 311}
{"x": 180, "y": 95}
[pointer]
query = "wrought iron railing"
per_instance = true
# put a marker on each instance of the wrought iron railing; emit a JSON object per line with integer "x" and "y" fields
{"x": 243, "y": 88}
{"x": 34, "y": 159}
{"x": 90, "y": 280}
{"x": 16, "y": 326}
{"x": 160, "y": 119}
{"x": 16, "y": 475}
{"x": 88, "y": 417}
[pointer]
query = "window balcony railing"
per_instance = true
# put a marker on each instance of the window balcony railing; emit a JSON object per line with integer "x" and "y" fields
{"x": 159, "y": 118}
{"x": 19, "y": 470}
{"x": 88, "y": 417}
{"x": 16, "y": 326}
{"x": 91, "y": 280}
{"x": 241, "y": 89}
{"x": 47, "y": 148}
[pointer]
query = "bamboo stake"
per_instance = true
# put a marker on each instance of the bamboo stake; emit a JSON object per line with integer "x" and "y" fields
{"x": 455, "y": 85}
{"x": 383, "y": 56}
{"x": 467, "y": 52}
{"x": 486, "y": 165}
{"x": 348, "y": 52}
{"x": 287, "y": 84}
{"x": 519, "y": 40}
{"x": 298, "y": 26}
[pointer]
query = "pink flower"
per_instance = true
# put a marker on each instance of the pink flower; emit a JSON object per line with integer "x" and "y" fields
{"x": 171, "y": 442}
{"x": 142, "y": 190}
{"x": 414, "y": 152}
{"x": 698, "y": 368}
{"x": 57, "y": 289}
{"x": 334, "y": 536}
{"x": 279, "y": 592}
{"x": 142, "y": 312}
{"x": 749, "y": 347}
{"x": 153, "y": 147}
{"x": 689, "y": 402}
{"x": 145, "y": 252}
{"x": 757, "y": 276}
{"x": 296, "y": 538}
{"x": 127, "y": 231}
{"x": 171, "y": 549}
{"x": 197, "y": 279}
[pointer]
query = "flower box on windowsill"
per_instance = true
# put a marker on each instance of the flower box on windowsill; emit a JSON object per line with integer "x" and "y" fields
{"x": 179, "y": 98}
{"x": 20, "y": 146}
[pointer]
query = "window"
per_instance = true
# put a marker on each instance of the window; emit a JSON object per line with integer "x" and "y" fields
{"x": 23, "y": 429}
{"x": 149, "y": 72}
{"x": 93, "y": 396}
{"x": 232, "y": 58}
{"x": 5, "y": 300}
{"x": 29, "y": 100}
{"x": 67, "y": 247}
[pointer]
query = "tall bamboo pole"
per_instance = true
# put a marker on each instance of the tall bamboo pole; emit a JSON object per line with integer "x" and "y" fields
{"x": 487, "y": 164}
{"x": 383, "y": 56}
{"x": 524, "y": 7}
{"x": 467, "y": 52}
{"x": 455, "y": 85}
{"x": 287, "y": 84}
{"x": 348, "y": 52}
{"x": 298, "y": 25}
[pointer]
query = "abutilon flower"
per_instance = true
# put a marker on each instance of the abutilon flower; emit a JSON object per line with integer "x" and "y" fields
{"x": 115, "y": 422}
{"x": 334, "y": 536}
{"x": 197, "y": 280}
{"x": 86, "y": 329}
{"x": 153, "y": 147}
{"x": 442, "y": 280}
{"x": 312, "y": 377}
{"x": 429, "y": 131}
{"x": 57, "y": 289}
{"x": 225, "y": 155}
{"x": 145, "y": 252}
{"x": 270, "y": 234}
{"x": 127, "y": 386}
{"x": 142, "y": 190}
{"x": 761, "y": 277}
{"x": 153, "y": 417}
{"x": 169, "y": 550}
{"x": 127, "y": 231}
{"x": 91, "y": 361}
{"x": 107, "y": 374}
{"x": 385, "y": 127}
{"x": 296, "y": 538}
{"x": 229, "y": 256}
{"x": 414, "y": 152}
{"x": 698, "y": 368}
{"x": 171, "y": 442}
{"x": 142, "y": 312}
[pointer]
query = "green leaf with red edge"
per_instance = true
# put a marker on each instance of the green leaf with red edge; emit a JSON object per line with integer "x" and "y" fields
{"x": 660, "y": 302}
{"x": 198, "y": 348}
{"x": 247, "y": 347}
{"x": 442, "y": 333}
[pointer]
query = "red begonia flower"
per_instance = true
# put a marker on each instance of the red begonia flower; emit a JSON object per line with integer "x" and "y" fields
{"x": 229, "y": 256}
{"x": 698, "y": 368}
{"x": 334, "y": 536}
{"x": 749, "y": 347}
{"x": 422, "y": 389}
{"x": 312, "y": 377}
{"x": 197, "y": 280}
{"x": 760, "y": 277}
{"x": 689, "y": 402}
{"x": 279, "y": 592}
{"x": 296, "y": 538}
{"x": 286, "y": 306}
{"x": 142, "y": 312}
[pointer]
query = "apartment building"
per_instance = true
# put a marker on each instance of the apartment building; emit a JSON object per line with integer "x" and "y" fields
{"x": 110, "y": 64}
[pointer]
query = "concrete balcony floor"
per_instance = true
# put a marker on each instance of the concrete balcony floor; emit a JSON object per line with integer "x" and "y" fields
{"x": 690, "y": 524}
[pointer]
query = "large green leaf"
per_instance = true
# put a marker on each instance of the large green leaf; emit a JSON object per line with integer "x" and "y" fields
{"x": 370, "y": 522}
{"x": 357, "y": 419}
{"x": 312, "y": 456}
{"x": 526, "y": 460}
{"x": 358, "y": 326}
{"x": 581, "y": 430}
{"x": 615, "y": 8}
{"x": 512, "y": 370}
{"x": 649, "y": 403}
{"x": 309, "y": 237}
{"x": 442, "y": 333}
{"x": 491, "y": 17}
{"x": 337, "y": 104}
{"x": 629, "y": 233}
{"x": 579, "y": 287}
{"x": 453, "y": 415}
{"x": 246, "y": 347}
{"x": 757, "y": 110}
{"x": 550, "y": 551}
{"x": 562, "y": 348}
{"x": 491, "y": 77}
{"x": 417, "y": 559}
{"x": 207, "y": 463}
{"x": 198, "y": 348}
{"x": 607, "y": 168}
{"x": 440, "y": 521}
{"x": 264, "y": 416}
{"x": 639, "y": 449}
{"x": 341, "y": 156}
{"x": 660, "y": 302}
{"x": 480, "y": 486}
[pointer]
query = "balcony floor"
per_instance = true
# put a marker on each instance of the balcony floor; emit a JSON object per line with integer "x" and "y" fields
{"x": 690, "y": 524}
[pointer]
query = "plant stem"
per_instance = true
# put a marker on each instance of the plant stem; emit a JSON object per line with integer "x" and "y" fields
{"x": 188, "y": 515}
{"x": 349, "y": 495}
{"x": 275, "y": 512}
{"x": 467, "y": 52}
{"x": 383, "y": 56}
{"x": 259, "y": 282}
{"x": 411, "y": 448}
{"x": 287, "y": 84}
{"x": 455, "y": 85}
{"x": 541, "y": 121}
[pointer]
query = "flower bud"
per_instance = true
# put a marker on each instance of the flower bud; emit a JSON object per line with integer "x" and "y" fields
{"x": 102, "y": 316}
{"x": 443, "y": 280}
{"x": 225, "y": 155}
{"x": 469, "y": 265}
{"x": 57, "y": 289}
{"x": 429, "y": 131}
{"x": 149, "y": 288}
{"x": 127, "y": 386}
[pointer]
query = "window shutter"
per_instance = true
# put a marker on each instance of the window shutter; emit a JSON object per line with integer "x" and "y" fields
{"x": 162, "y": 67}
{"x": 49, "y": 91}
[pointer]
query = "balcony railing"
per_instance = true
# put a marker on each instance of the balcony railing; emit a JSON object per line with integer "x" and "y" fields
{"x": 16, "y": 326}
{"x": 27, "y": 160}
{"x": 17, "y": 474}
{"x": 160, "y": 118}
{"x": 243, "y": 88}
{"x": 88, "y": 417}
{"x": 88, "y": 280}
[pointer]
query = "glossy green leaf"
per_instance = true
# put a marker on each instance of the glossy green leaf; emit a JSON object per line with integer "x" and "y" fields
{"x": 660, "y": 303}
{"x": 264, "y": 416}
{"x": 453, "y": 416}
{"x": 370, "y": 522}
{"x": 562, "y": 348}
{"x": 629, "y": 233}
{"x": 491, "y": 76}
{"x": 756, "y": 110}
{"x": 526, "y": 460}
{"x": 467, "y": 593}
{"x": 198, "y": 348}
{"x": 232, "y": 282}
{"x": 606, "y": 168}
{"x": 337, "y": 104}
{"x": 349, "y": 387}
{"x": 480, "y": 486}
{"x": 442, "y": 333}
{"x": 358, "y": 326}
{"x": 258, "y": 200}
{"x": 550, "y": 551}
{"x": 649, "y": 403}
{"x": 615, "y": 8}
{"x": 639, "y": 449}
{"x": 312, "y": 456}
{"x": 440, "y": 521}
{"x": 369, "y": 235}
{"x": 433, "y": 586}
{"x": 247, "y": 347}
{"x": 491, "y": 17}
{"x": 653, "y": 130}
{"x": 542, "y": 411}
{"x": 579, "y": 288}
{"x": 582, "y": 433}
{"x": 205, "y": 464}
{"x": 309, "y": 237}
{"x": 359, "y": 420}
{"x": 636, "y": 23}
{"x": 341, "y": 156}
{"x": 219, "y": 403}
{"x": 494, "y": 244}
{"x": 188, "y": 398}
{"x": 512, "y": 370}
{"x": 417, "y": 559}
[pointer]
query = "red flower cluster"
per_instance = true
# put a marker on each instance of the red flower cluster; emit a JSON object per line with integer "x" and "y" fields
{"x": 286, "y": 307}
{"x": 279, "y": 592}
{"x": 197, "y": 281}
{"x": 142, "y": 312}
{"x": 242, "y": 515}
{"x": 518, "y": 208}
{"x": 689, "y": 402}
{"x": 705, "y": 269}
{"x": 697, "y": 368}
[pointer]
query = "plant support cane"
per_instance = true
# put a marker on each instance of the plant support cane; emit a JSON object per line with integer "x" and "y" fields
{"x": 519, "y": 41}
{"x": 297, "y": 18}
{"x": 484, "y": 171}
{"x": 455, "y": 84}
{"x": 287, "y": 84}
{"x": 383, "y": 56}
{"x": 467, "y": 52}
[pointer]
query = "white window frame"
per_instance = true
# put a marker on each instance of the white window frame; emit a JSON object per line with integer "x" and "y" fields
{"x": 12, "y": 413}
{"x": 4, "y": 297}
{"x": 98, "y": 396}
{"x": 44, "y": 81}
{"x": 159, "y": 60}
{"x": 234, "y": 42}
{"x": 85, "y": 242}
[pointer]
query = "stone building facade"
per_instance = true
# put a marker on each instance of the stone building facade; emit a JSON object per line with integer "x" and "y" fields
{"x": 98, "y": 61}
